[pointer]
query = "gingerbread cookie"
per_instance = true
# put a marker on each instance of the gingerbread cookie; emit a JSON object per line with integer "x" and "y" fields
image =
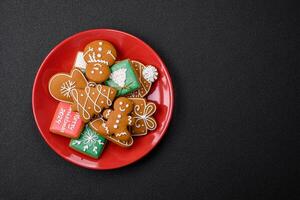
{"x": 142, "y": 116}
{"x": 89, "y": 143}
{"x": 92, "y": 99}
{"x": 115, "y": 128}
{"x": 65, "y": 122}
{"x": 61, "y": 84}
{"x": 97, "y": 72}
{"x": 123, "y": 78}
{"x": 99, "y": 56}
{"x": 146, "y": 76}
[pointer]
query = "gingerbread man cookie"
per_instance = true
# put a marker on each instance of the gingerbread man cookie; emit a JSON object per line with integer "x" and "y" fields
{"x": 92, "y": 99}
{"x": 61, "y": 84}
{"x": 99, "y": 56}
{"x": 142, "y": 116}
{"x": 146, "y": 76}
{"x": 115, "y": 128}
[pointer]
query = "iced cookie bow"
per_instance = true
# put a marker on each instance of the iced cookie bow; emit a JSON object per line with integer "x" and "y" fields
{"x": 142, "y": 116}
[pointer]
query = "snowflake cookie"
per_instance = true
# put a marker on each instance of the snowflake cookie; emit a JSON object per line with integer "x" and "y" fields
{"x": 123, "y": 78}
{"x": 89, "y": 143}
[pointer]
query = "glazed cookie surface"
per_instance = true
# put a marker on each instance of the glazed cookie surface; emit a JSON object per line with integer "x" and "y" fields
{"x": 143, "y": 116}
{"x": 92, "y": 99}
{"x": 100, "y": 51}
{"x": 65, "y": 122}
{"x": 99, "y": 56}
{"x": 97, "y": 72}
{"x": 117, "y": 120}
{"x": 146, "y": 76}
{"x": 61, "y": 84}
{"x": 123, "y": 78}
{"x": 89, "y": 143}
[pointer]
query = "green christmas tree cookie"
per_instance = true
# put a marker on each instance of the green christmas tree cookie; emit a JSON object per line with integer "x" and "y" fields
{"x": 123, "y": 78}
{"x": 89, "y": 143}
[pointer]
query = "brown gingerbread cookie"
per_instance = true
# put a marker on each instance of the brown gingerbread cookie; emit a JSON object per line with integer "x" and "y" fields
{"x": 61, "y": 84}
{"x": 91, "y": 100}
{"x": 99, "y": 56}
{"x": 115, "y": 128}
{"x": 142, "y": 116}
{"x": 146, "y": 76}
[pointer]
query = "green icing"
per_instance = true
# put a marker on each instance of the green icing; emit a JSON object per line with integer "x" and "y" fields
{"x": 89, "y": 143}
{"x": 123, "y": 78}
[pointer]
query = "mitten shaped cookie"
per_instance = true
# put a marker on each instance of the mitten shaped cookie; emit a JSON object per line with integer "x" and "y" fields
{"x": 61, "y": 84}
{"x": 99, "y": 56}
{"x": 92, "y": 100}
{"x": 115, "y": 128}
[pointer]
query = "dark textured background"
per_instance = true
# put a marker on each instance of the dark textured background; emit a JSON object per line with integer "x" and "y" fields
{"x": 233, "y": 133}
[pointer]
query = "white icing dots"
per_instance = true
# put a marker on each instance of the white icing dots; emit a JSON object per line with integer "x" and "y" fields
{"x": 127, "y": 105}
{"x": 100, "y": 49}
{"x": 93, "y": 93}
{"x": 81, "y": 95}
{"x": 89, "y": 108}
{"x": 102, "y": 101}
{"x": 119, "y": 116}
{"x": 150, "y": 73}
{"x": 115, "y": 126}
{"x": 121, "y": 103}
{"x": 98, "y": 55}
{"x": 100, "y": 72}
{"x": 100, "y": 43}
{"x": 92, "y": 72}
{"x": 117, "y": 121}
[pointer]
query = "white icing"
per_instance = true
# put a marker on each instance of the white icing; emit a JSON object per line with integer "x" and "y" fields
{"x": 108, "y": 113}
{"x": 85, "y": 147}
{"x": 129, "y": 120}
{"x": 105, "y": 128}
{"x": 109, "y": 53}
{"x": 115, "y": 126}
{"x": 119, "y": 116}
{"x": 149, "y": 110}
{"x": 150, "y": 73}
{"x": 97, "y": 108}
{"x": 80, "y": 62}
{"x": 95, "y": 149}
{"x": 120, "y": 134}
{"x": 119, "y": 77}
{"x": 66, "y": 87}
{"x": 123, "y": 143}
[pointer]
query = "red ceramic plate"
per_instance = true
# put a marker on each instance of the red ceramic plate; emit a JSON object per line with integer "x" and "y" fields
{"x": 61, "y": 59}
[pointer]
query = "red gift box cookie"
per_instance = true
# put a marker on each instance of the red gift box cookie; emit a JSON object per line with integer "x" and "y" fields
{"x": 65, "y": 122}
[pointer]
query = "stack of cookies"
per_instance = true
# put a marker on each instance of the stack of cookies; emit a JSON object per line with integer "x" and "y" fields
{"x": 102, "y": 99}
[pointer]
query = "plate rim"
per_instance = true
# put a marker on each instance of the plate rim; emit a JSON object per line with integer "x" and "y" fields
{"x": 168, "y": 118}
